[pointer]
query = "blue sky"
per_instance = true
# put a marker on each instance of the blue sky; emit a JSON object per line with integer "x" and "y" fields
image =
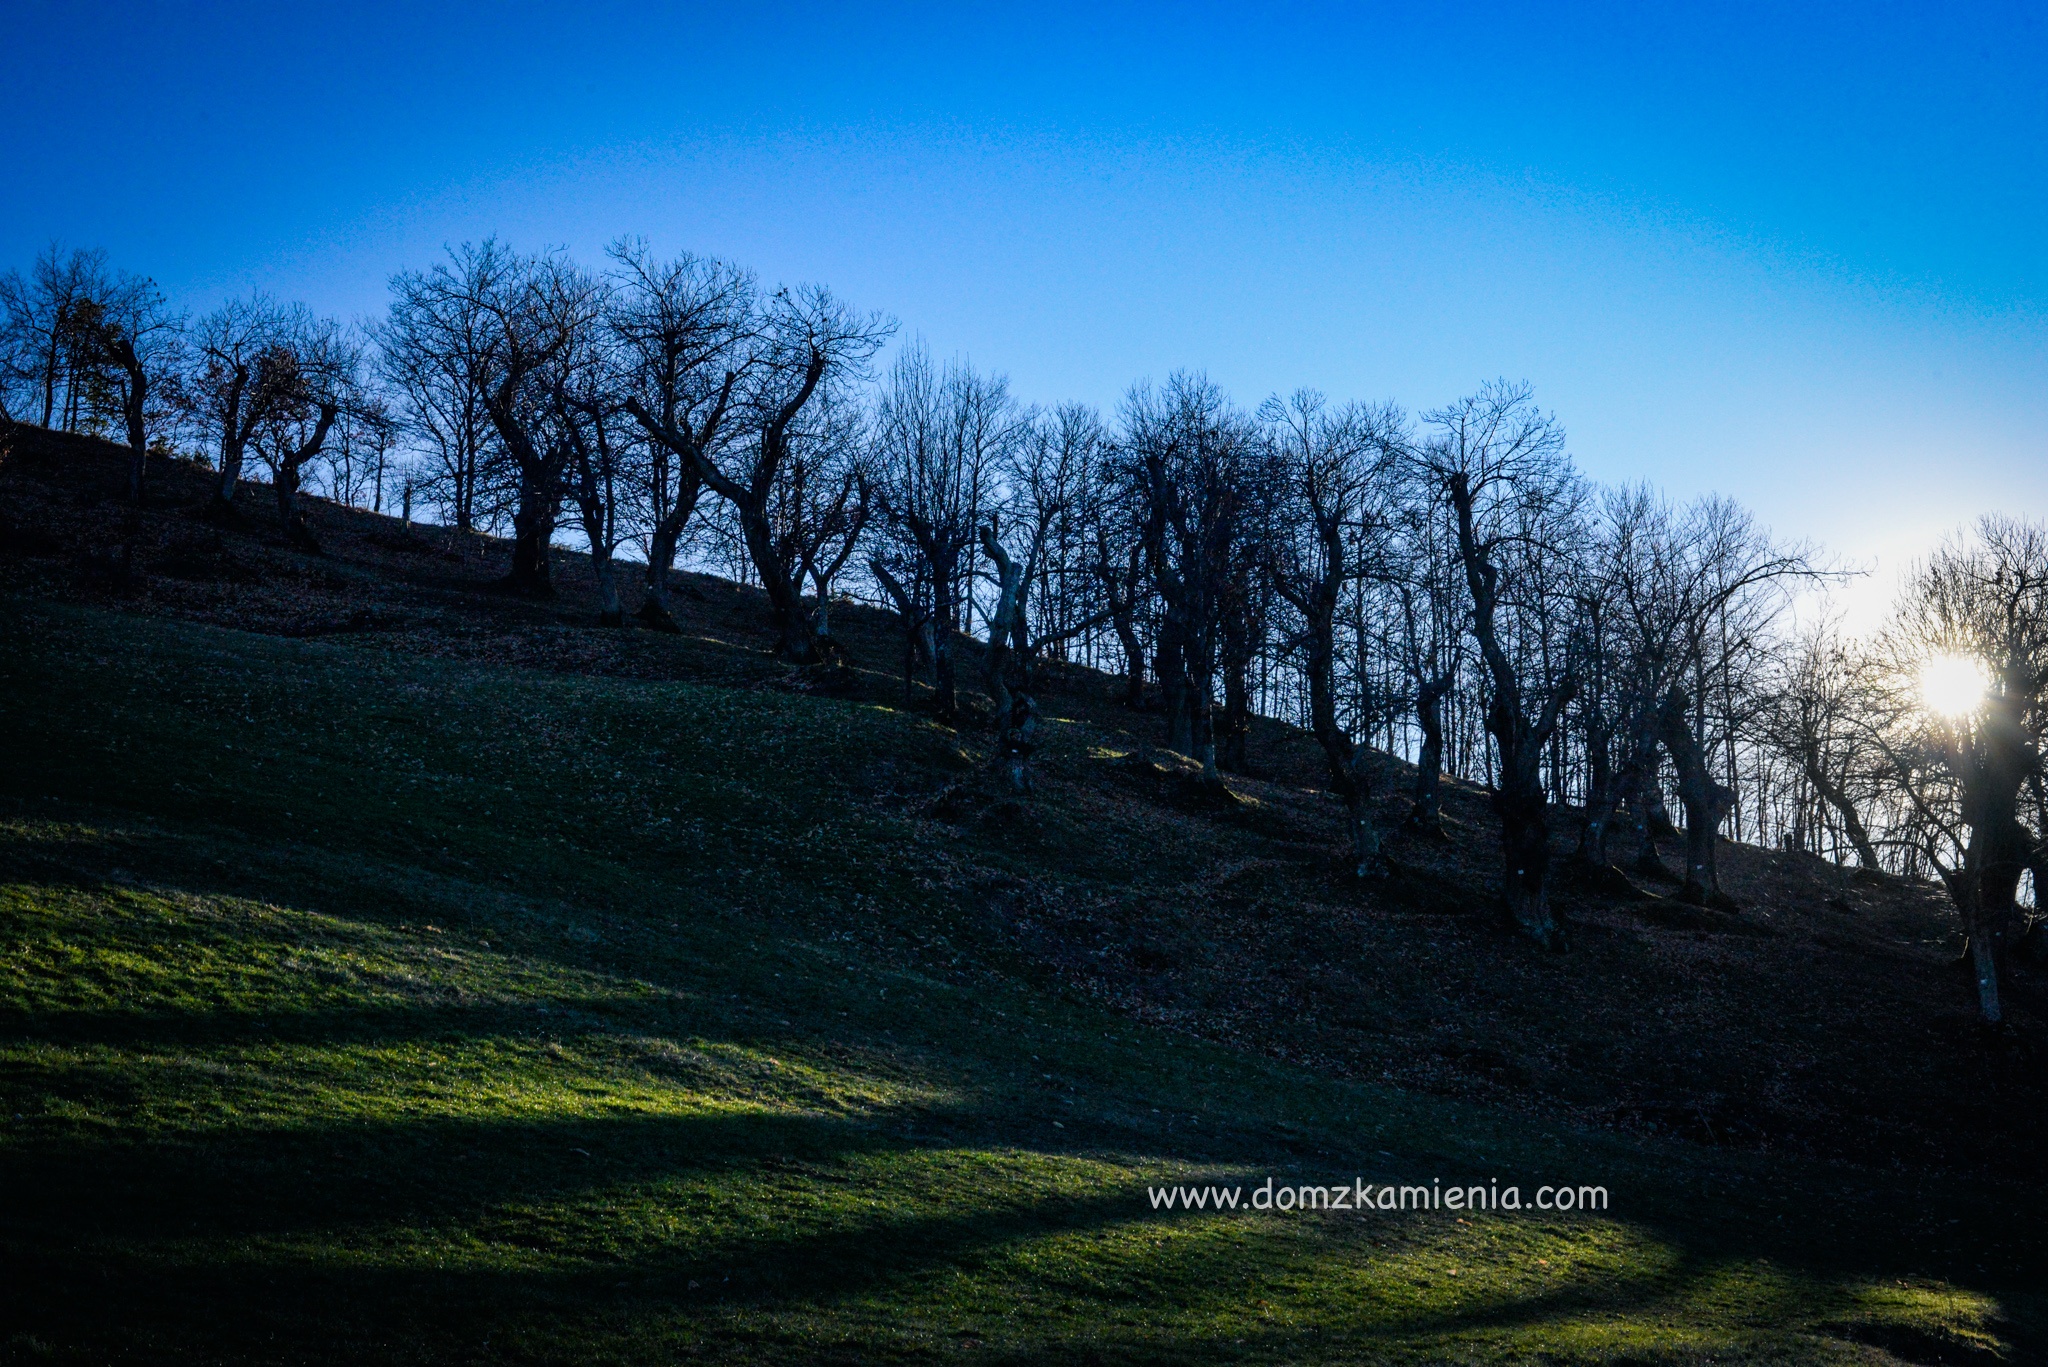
{"x": 1797, "y": 254}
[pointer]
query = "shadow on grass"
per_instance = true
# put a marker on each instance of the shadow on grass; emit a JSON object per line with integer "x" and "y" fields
{"x": 420, "y": 1237}
{"x": 1044, "y": 1278}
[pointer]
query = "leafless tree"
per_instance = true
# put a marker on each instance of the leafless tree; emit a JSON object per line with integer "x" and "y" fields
{"x": 807, "y": 349}
{"x": 822, "y": 506}
{"x": 359, "y": 450}
{"x": 1427, "y": 581}
{"x": 1048, "y": 476}
{"x": 1499, "y": 461}
{"x": 1053, "y": 479}
{"x": 1814, "y": 714}
{"x": 1246, "y": 612}
{"x": 1338, "y": 472}
{"x": 245, "y": 373}
{"x": 687, "y": 327}
{"x": 940, "y": 432}
{"x": 1964, "y": 766}
{"x": 46, "y": 337}
{"x": 442, "y": 405}
{"x": 131, "y": 344}
{"x": 902, "y": 576}
{"x": 588, "y": 388}
{"x": 506, "y": 321}
{"x": 1686, "y": 596}
{"x": 1119, "y": 565}
{"x": 1186, "y": 458}
{"x": 316, "y": 375}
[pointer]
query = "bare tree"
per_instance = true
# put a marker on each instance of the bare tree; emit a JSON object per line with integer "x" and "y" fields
{"x": 1053, "y": 482}
{"x": 823, "y": 505}
{"x": 588, "y": 387}
{"x": 939, "y": 433}
{"x": 1814, "y": 712}
{"x": 131, "y": 340}
{"x": 245, "y": 372}
{"x": 1338, "y": 470}
{"x": 1499, "y": 461}
{"x": 1119, "y": 566}
{"x": 1048, "y": 475}
{"x": 443, "y": 405}
{"x": 1427, "y": 579}
{"x": 359, "y": 450}
{"x": 686, "y": 327}
{"x": 506, "y": 321}
{"x": 1008, "y": 661}
{"x": 1245, "y": 615}
{"x": 1960, "y": 705}
{"x": 46, "y": 327}
{"x": 903, "y": 577}
{"x": 1691, "y": 594}
{"x": 315, "y": 373}
{"x": 1185, "y": 456}
{"x": 807, "y": 346}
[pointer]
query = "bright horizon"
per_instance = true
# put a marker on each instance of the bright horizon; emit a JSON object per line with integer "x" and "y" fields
{"x": 1797, "y": 260}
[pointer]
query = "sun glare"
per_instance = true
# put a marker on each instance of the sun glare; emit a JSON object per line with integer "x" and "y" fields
{"x": 1952, "y": 686}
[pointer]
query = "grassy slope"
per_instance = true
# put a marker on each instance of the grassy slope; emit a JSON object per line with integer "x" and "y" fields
{"x": 361, "y": 1007}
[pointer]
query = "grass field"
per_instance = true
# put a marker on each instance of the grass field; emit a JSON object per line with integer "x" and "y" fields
{"x": 357, "y": 1007}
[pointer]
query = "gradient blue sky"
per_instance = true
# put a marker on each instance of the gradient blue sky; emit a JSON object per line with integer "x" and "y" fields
{"x": 1796, "y": 254}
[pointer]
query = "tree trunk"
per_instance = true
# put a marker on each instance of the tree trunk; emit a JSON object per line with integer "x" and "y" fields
{"x": 662, "y": 542}
{"x": 1120, "y": 589}
{"x": 1233, "y": 745}
{"x": 1525, "y": 845}
{"x": 795, "y": 640}
{"x": 1706, "y": 803}
{"x": 945, "y": 619}
{"x": 661, "y": 559}
{"x": 1642, "y": 793}
{"x": 1426, "y": 815}
{"x": 285, "y": 479}
{"x": 1601, "y": 783}
{"x": 593, "y": 506}
{"x": 1346, "y": 762}
{"x": 609, "y": 611}
{"x": 57, "y": 328}
{"x": 917, "y": 633}
{"x": 1994, "y": 764}
{"x": 234, "y": 440}
{"x": 1203, "y": 725}
{"x": 1518, "y": 796}
{"x": 134, "y": 404}
{"x": 1984, "y": 965}
{"x": 1366, "y": 860}
{"x": 285, "y": 483}
{"x": 1837, "y": 797}
{"x": 1134, "y": 660}
{"x": 1175, "y": 690}
{"x": 1985, "y": 930}
{"x": 1016, "y": 712}
{"x": 533, "y": 532}
{"x": 222, "y": 505}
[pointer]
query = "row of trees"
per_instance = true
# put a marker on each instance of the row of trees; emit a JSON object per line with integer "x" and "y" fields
{"x": 1445, "y": 586}
{"x": 88, "y": 348}
{"x": 1919, "y": 748}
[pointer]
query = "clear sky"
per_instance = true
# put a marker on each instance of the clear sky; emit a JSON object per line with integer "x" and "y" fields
{"x": 1797, "y": 254}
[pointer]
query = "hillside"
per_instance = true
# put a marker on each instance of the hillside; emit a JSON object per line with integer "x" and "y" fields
{"x": 400, "y": 971}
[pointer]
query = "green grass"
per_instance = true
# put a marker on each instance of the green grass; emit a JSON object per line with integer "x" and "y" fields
{"x": 363, "y": 1008}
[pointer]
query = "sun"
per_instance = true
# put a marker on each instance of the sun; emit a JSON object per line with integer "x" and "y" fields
{"x": 1953, "y": 686}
